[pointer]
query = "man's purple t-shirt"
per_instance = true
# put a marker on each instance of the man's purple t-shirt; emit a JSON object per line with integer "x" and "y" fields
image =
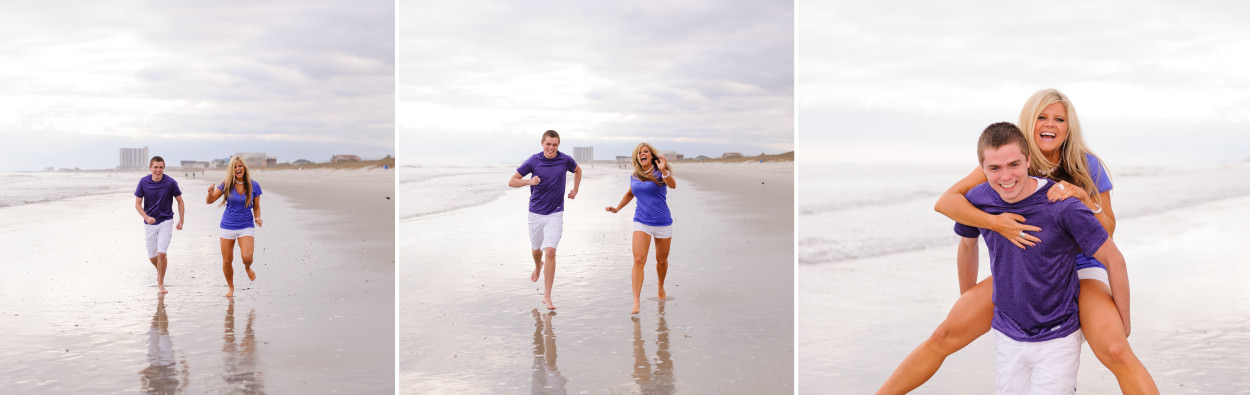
{"x": 158, "y": 197}
{"x": 548, "y": 196}
{"x": 1035, "y": 288}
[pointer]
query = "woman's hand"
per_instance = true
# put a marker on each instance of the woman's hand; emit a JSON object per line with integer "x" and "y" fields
{"x": 1063, "y": 190}
{"x": 1011, "y": 226}
{"x": 611, "y": 209}
{"x": 259, "y": 222}
{"x": 663, "y": 163}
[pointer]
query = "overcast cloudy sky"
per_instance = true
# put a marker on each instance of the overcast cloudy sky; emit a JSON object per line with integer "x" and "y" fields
{"x": 194, "y": 80}
{"x": 1158, "y": 81}
{"x": 480, "y": 81}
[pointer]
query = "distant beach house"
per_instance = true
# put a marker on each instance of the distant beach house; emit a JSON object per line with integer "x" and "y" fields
{"x": 193, "y": 164}
{"x": 344, "y": 158}
{"x": 257, "y": 159}
{"x": 302, "y": 162}
{"x": 732, "y": 155}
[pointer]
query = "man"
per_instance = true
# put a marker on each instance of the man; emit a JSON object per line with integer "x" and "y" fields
{"x": 1036, "y": 325}
{"x": 154, "y": 199}
{"x": 546, "y": 217}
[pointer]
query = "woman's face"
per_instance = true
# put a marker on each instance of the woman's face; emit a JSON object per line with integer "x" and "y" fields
{"x": 238, "y": 170}
{"x": 644, "y": 155}
{"x": 1050, "y": 129}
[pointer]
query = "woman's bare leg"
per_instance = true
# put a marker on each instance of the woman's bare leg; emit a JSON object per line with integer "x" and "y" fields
{"x": 968, "y": 319}
{"x": 227, "y": 263}
{"x": 661, "y": 261}
{"x": 642, "y": 242}
{"x": 246, "y": 246}
{"x": 1100, "y": 321}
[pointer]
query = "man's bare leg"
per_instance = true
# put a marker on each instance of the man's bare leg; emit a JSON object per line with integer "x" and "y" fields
{"x": 161, "y": 262}
{"x": 538, "y": 265}
{"x": 549, "y": 274}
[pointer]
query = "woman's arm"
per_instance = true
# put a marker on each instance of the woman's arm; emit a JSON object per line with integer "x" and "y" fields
{"x": 1102, "y": 211}
{"x": 213, "y": 194}
{"x": 669, "y": 180}
{"x": 955, "y": 206}
{"x": 256, "y": 210}
{"x": 629, "y": 195}
{"x": 968, "y": 260}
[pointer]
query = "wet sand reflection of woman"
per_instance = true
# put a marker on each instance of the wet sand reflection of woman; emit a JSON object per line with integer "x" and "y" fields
{"x": 659, "y": 381}
{"x": 242, "y": 373}
{"x": 547, "y": 378}
{"x": 162, "y": 375}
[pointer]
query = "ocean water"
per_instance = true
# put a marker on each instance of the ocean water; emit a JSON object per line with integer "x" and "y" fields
{"x": 27, "y": 188}
{"x": 440, "y": 189}
{"x": 853, "y": 211}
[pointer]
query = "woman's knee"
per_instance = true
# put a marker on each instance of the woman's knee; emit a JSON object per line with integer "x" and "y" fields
{"x": 247, "y": 259}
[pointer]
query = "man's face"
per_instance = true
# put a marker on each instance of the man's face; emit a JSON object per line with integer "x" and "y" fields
{"x": 157, "y": 168}
{"x": 550, "y": 145}
{"x": 1006, "y": 169}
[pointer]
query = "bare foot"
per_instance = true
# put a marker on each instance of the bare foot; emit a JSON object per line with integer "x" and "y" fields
{"x": 547, "y": 302}
{"x": 163, "y": 290}
{"x": 231, "y": 293}
{"x": 662, "y": 295}
{"x": 538, "y": 268}
{"x": 251, "y": 275}
{"x": 635, "y": 310}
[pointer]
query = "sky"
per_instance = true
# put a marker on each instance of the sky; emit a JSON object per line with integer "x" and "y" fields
{"x": 194, "y": 80}
{"x": 479, "y": 82}
{"x": 916, "y": 81}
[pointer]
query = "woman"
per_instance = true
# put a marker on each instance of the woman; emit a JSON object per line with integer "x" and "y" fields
{"x": 1058, "y": 151}
{"x": 650, "y": 182}
{"x": 242, "y": 200}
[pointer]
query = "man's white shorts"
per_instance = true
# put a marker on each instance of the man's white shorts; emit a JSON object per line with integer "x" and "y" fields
{"x": 231, "y": 234}
{"x": 158, "y": 237}
{"x": 659, "y": 232}
{"x": 1047, "y": 367}
{"x": 545, "y": 230}
{"x": 1093, "y": 273}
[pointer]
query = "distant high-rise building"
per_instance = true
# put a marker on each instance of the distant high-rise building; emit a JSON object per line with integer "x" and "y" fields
{"x": 584, "y": 154}
{"x": 133, "y": 159}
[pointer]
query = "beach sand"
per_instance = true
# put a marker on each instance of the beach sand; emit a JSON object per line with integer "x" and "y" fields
{"x": 472, "y": 322}
{"x": 859, "y": 318}
{"x": 81, "y": 312}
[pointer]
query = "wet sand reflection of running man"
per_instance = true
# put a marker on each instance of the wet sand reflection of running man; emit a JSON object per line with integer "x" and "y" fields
{"x": 162, "y": 375}
{"x": 547, "y": 378}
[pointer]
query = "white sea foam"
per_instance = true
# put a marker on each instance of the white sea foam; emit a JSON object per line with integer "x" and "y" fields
{"x": 426, "y": 190}
{"x": 852, "y": 211}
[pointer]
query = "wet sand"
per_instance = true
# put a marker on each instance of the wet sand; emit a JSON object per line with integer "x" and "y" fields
{"x": 81, "y": 313}
{"x": 859, "y": 318}
{"x": 472, "y": 322}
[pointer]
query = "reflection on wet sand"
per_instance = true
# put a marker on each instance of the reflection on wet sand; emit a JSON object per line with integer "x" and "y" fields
{"x": 547, "y": 378}
{"x": 659, "y": 381}
{"x": 242, "y": 373}
{"x": 162, "y": 375}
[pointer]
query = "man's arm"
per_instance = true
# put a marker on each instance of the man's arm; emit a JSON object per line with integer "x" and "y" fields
{"x": 1117, "y": 273}
{"x": 516, "y": 181}
{"x": 144, "y": 214}
{"x": 968, "y": 260}
{"x": 181, "y": 211}
{"x": 577, "y": 181}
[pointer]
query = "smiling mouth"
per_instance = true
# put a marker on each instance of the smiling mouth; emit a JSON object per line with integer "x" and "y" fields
{"x": 1009, "y": 186}
{"x": 1048, "y": 135}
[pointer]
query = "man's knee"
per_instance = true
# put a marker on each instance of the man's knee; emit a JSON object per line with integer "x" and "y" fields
{"x": 549, "y": 252}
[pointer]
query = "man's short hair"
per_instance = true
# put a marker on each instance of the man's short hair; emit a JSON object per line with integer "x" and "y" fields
{"x": 155, "y": 159}
{"x": 999, "y": 134}
{"x": 550, "y": 133}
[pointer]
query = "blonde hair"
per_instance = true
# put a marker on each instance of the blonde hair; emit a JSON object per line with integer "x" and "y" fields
{"x": 227, "y": 184}
{"x": 638, "y": 167}
{"x": 1072, "y": 166}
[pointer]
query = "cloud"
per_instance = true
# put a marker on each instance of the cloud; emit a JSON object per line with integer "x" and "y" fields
{"x": 173, "y": 71}
{"x": 695, "y": 71}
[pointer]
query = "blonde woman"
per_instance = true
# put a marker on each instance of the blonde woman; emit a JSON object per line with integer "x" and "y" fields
{"x": 1058, "y": 151}
{"x": 650, "y": 183}
{"x": 241, "y": 196}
